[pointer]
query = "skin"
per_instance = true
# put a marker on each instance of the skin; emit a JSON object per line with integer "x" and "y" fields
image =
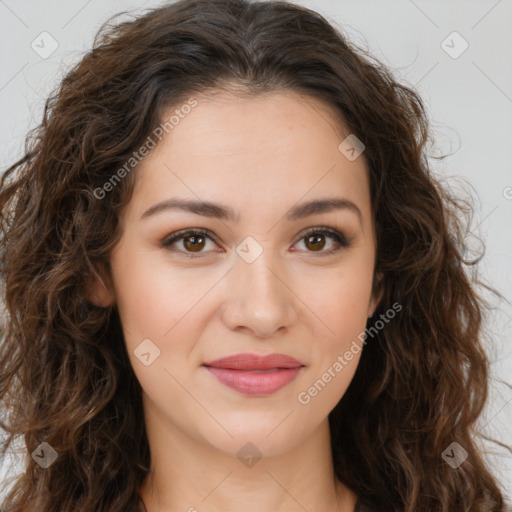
{"x": 259, "y": 156}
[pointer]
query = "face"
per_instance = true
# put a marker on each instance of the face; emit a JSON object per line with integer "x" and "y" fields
{"x": 275, "y": 277}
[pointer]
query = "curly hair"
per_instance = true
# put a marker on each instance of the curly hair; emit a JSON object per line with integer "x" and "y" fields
{"x": 65, "y": 375}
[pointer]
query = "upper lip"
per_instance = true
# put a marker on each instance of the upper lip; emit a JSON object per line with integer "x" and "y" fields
{"x": 255, "y": 362}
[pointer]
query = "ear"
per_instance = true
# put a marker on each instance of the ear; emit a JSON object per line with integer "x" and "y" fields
{"x": 377, "y": 293}
{"x": 99, "y": 289}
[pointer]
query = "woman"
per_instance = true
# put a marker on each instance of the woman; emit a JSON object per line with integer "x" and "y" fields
{"x": 231, "y": 280}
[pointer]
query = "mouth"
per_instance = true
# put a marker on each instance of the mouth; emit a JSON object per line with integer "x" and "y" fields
{"x": 255, "y": 375}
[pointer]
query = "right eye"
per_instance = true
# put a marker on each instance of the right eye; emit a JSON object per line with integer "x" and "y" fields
{"x": 193, "y": 241}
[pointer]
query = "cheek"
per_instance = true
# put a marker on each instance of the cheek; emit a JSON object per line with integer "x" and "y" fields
{"x": 153, "y": 303}
{"x": 341, "y": 305}
{"x": 162, "y": 304}
{"x": 339, "y": 301}
{"x": 151, "y": 297}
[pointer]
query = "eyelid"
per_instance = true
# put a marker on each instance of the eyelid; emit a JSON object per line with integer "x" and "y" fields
{"x": 183, "y": 232}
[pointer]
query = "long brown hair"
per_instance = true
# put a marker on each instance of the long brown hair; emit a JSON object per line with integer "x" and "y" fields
{"x": 65, "y": 376}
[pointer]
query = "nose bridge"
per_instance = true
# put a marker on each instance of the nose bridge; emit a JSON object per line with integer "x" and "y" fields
{"x": 260, "y": 301}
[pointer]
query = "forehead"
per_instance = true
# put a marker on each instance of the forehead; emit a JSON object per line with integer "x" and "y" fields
{"x": 285, "y": 111}
{"x": 272, "y": 149}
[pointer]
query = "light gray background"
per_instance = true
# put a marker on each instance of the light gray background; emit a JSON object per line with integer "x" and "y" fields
{"x": 469, "y": 99}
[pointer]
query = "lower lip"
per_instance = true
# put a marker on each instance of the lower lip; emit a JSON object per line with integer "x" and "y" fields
{"x": 255, "y": 383}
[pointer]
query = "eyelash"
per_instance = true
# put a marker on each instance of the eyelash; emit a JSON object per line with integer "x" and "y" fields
{"x": 339, "y": 238}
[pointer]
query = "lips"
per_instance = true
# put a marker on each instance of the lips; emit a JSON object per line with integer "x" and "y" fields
{"x": 255, "y": 362}
{"x": 255, "y": 375}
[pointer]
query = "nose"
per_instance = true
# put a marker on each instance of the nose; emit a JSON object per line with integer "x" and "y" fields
{"x": 259, "y": 300}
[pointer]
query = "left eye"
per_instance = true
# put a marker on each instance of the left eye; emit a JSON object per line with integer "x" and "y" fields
{"x": 315, "y": 238}
{"x": 193, "y": 240}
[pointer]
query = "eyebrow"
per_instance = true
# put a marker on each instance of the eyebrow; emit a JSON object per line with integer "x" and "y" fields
{"x": 218, "y": 211}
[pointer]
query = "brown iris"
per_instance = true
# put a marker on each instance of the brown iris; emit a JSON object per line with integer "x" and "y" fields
{"x": 315, "y": 242}
{"x": 194, "y": 243}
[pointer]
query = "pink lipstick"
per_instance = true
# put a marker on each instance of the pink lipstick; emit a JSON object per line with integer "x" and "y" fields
{"x": 255, "y": 375}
